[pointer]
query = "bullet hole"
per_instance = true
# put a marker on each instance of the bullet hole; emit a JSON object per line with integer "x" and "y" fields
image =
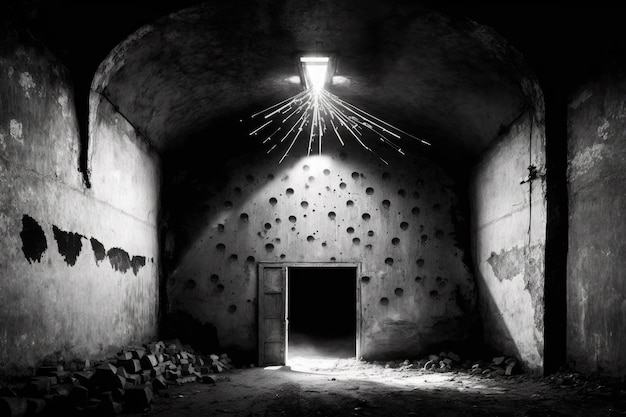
{"x": 250, "y": 259}
{"x": 220, "y": 288}
{"x": 386, "y": 176}
{"x": 220, "y": 227}
{"x": 402, "y": 193}
{"x": 437, "y": 207}
{"x": 424, "y": 238}
{"x": 370, "y": 233}
{"x": 342, "y": 185}
{"x": 244, "y": 217}
{"x": 270, "y": 176}
{"x": 386, "y": 204}
{"x": 305, "y": 168}
{"x": 326, "y": 172}
{"x": 356, "y": 241}
{"x": 269, "y": 247}
{"x": 439, "y": 234}
{"x": 214, "y": 278}
{"x": 420, "y": 263}
{"x": 366, "y": 216}
{"x": 293, "y": 229}
{"x": 268, "y": 226}
{"x": 420, "y": 228}
{"x": 368, "y": 247}
{"x": 416, "y": 195}
{"x": 228, "y": 204}
{"x": 404, "y": 225}
{"x": 233, "y": 257}
{"x": 350, "y": 230}
{"x": 438, "y": 279}
{"x": 434, "y": 294}
{"x": 333, "y": 259}
{"x": 277, "y": 240}
{"x": 418, "y": 279}
{"x": 249, "y": 178}
{"x": 283, "y": 256}
{"x": 220, "y": 247}
{"x": 398, "y": 292}
{"x": 278, "y": 221}
{"x": 384, "y": 301}
{"x": 369, "y": 191}
{"x": 343, "y": 156}
{"x": 365, "y": 279}
{"x": 289, "y": 191}
{"x": 310, "y": 238}
{"x": 237, "y": 190}
{"x": 332, "y": 215}
{"x": 355, "y": 175}
{"x": 415, "y": 211}
{"x": 232, "y": 308}
{"x": 273, "y": 201}
{"x": 292, "y": 219}
{"x": 190, "y": 284}
{"x": 324, "y": 244}
{"x": 350, "y": 203}
{"x": 395, "y": 241}
{"x": 389, "y": 261}
{"x": 304, "y": 204}
{"x": 442, "y": 282}
{"x": 311, "y": 178}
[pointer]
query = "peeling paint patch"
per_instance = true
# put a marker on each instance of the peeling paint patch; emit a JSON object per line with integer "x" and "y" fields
{"x": 507, "y": 265}
{"x": 63, "y": 102}
{"x": 15, "y": 129}
{"x": 69, "y": 244}
{"x": 582, "y": 97}
{"x": 98, "y": 250}
{"x": 27, "y": 83}
{"x": 119, "y": 259}
{"x": 34, "y": 242}
{"x": 137, "y": 262}
{"x": 603, "y": 130}
{"x": 586, "y": 160}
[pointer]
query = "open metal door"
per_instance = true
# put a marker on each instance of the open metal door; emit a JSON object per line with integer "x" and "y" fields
{"x": 272, "y": 314}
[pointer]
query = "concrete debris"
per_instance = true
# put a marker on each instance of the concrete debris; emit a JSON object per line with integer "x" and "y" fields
{"x": 126, "y": 383}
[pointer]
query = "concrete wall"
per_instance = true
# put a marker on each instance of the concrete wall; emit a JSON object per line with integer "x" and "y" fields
{"x": 508, "y": 239}
{"x": 78, "y": 266}
{"x": 402, "y": 222}
{"x": 596, "y": 281}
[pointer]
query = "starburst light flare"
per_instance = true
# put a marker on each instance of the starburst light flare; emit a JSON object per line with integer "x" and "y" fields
{"x": 314, "y": 112}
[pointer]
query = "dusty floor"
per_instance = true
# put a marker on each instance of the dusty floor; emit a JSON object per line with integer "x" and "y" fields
{"x": 346, "y": 387}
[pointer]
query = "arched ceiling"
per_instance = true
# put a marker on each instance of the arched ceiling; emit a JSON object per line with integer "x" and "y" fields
{"x": 449, "y": 81}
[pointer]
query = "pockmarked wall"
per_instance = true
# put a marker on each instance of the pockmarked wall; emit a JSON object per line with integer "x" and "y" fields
{"x": 78, "y": 265}
{"x": 596, "y": 258}
{"x": 508, "y": 239}
{"x": 403, "y": 222}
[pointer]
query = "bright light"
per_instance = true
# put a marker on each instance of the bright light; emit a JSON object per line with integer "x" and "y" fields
{"x": 316, "y": 71}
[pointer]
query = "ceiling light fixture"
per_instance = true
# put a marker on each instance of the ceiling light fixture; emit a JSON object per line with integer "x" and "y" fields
{"x": 317, "y": 110}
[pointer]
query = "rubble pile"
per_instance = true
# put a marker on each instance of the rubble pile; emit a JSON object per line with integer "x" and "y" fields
{"x": 126, "y": 383}
{"x": 450, "y": 361}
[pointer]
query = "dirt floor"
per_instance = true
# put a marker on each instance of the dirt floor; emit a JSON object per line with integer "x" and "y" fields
{"x": 347, "y": 387}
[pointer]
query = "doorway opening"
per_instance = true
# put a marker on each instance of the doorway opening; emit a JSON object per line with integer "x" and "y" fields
{"x": 321, "y": 312}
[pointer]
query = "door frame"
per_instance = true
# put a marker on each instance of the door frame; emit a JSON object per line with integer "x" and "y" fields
{"x": 286, "y": 265}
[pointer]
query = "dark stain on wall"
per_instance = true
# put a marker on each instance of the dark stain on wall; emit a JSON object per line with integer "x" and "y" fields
{"x": 98, "y": 250}
{"x": 137, "y": 262}
{"x": 34, "y": 242}
{"x": 69, "y": 244}
{"x": 120, "y": 261}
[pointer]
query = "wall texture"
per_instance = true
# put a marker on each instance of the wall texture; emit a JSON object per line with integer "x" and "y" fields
{"x": 596, "y": 284}
{"x": 78, "y": 266}
{"x": 508, "y": 239}
{"x": 402, "y": 222}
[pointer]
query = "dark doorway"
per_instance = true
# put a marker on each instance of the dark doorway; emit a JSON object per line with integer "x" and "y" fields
{"x": 322, "y": 312}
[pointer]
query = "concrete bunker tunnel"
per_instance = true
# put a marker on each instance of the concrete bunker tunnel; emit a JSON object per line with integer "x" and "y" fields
{"x": 141, "y": 193}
